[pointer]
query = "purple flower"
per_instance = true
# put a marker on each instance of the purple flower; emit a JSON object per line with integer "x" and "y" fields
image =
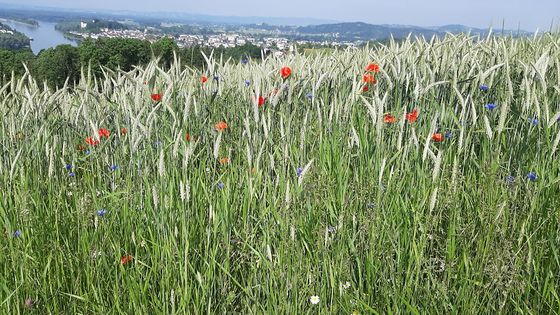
{"x": 68, "y": 167}
{"x": 532, "y": 176}
{"x": 244, "y": 61}
{"x": 221, "y": 185}
{"x": 533, "y": 121}
{"x": 448, "y": 134}
{"x": 299, "y": 171}
{"x": 483, "y": 88}
{"x": 490, "y": 106}
{"x": 101, "y": 212}
{"x": 17, "y": 233}
{"x": 114, "y": 167}
{"x": 88, "y": 151}
{"x": 247, "y": 82}
{"x": 309, "y": 96}
{"x": 216, "y": 78}
{"x": 72, "y": 174}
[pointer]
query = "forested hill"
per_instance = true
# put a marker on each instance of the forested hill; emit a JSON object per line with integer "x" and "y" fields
{"x": 12, "y": 39}
{"x": 364, "y": 31}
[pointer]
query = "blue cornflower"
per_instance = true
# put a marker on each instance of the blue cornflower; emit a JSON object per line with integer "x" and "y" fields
{"x": 370, "y": 205}
{"x": 244, "y": 61}
{"x": 72, "y": 174}
{"x": 88, "y": 151}
{"x": 533, "y": 121}
{"x": 532, "y": 176}
{"x": 17, "y": 233}
{"x": 490, "y": 106}
{"x": 68, "y": 167}
{"x": 247, "y": 82}
{"x": 101, "y": 212}
{"x": 309, "y": 96}
{"x": 484, "y": 87}
{"x": 216, "y": 78}
{"x": 299, "y": 171}
{"x": 448, "y": 134}
{"x": 221, "y": 185}
{"x": 114, "y": 167}
{"x": 510, "y": 179}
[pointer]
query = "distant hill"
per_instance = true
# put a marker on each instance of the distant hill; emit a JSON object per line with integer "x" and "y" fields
{"x": 235, "y": 20}
{"x": 353, "y": 31}
{"x": 11, "y": 39}
{"x": 362, "y": 31}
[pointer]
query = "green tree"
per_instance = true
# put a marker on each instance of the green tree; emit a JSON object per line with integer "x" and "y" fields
{"x": 12, "y": 61}
{"x": 54, "y": 65}
{"x": 114, "y": 53}
{"x": 164, "y": 49}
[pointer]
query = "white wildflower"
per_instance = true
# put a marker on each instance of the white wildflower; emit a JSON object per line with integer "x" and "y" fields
{"x": 314, "y": 299}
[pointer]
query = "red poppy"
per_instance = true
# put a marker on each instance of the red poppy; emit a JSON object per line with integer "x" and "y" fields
{"x": 365, "y": 88}
{"x": 261, "y": 101}
{"x": 92, "y": 141}
{"x": 369, "y": 79}
{"x": 123, "y": 131}
{"x": 437, "y": 137}
{"x": 285, "y": 72}
{"x": 126, "y": 259}
{"x": 224, "y": 160}
{"x": 389, "y": 119}
{"x": 188, "y": 137}
{"x": 372, "y": 67}
{"x": 412, "y": 116}
{"x": 104, "y": 133}
{"x": 156, "y": 97}
{"x": 221, "y": 126}
{"x": 204, "y": 79}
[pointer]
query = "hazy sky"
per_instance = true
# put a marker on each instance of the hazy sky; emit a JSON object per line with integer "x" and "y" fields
{"x": 531, "y": 14}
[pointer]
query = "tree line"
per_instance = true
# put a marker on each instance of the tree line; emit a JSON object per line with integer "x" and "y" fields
{"x": 55, "y": 65}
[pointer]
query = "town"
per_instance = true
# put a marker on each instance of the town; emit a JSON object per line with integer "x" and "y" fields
{"x": 225, "y": 39}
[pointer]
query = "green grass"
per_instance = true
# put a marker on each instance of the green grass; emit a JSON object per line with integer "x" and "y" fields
{"x": 414, "y": 226}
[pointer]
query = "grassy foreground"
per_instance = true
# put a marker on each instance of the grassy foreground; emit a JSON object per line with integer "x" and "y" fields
{"x": 315, "y": 202}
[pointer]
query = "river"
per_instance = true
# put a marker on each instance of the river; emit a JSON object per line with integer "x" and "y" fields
{"x": 44, "y": 36}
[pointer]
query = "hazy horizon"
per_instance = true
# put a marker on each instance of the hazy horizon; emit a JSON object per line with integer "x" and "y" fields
{"x": 524, "y": 14}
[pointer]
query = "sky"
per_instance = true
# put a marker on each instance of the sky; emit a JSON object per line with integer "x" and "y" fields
{"x": 528, "y": 14}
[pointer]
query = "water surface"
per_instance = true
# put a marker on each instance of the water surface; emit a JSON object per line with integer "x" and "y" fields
{"x": 44, "y": 36}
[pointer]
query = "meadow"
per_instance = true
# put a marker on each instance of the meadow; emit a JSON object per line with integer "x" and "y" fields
{"x": 419, "y": 177}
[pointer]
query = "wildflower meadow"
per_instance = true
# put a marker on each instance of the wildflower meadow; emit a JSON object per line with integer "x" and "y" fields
{"x": 416, "y": 177}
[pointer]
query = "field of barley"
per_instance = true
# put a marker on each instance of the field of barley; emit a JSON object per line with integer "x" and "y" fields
{"x": 419, "y": 177}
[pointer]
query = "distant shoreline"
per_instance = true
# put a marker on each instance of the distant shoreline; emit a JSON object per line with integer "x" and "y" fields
{"x": 19, "y": 22}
